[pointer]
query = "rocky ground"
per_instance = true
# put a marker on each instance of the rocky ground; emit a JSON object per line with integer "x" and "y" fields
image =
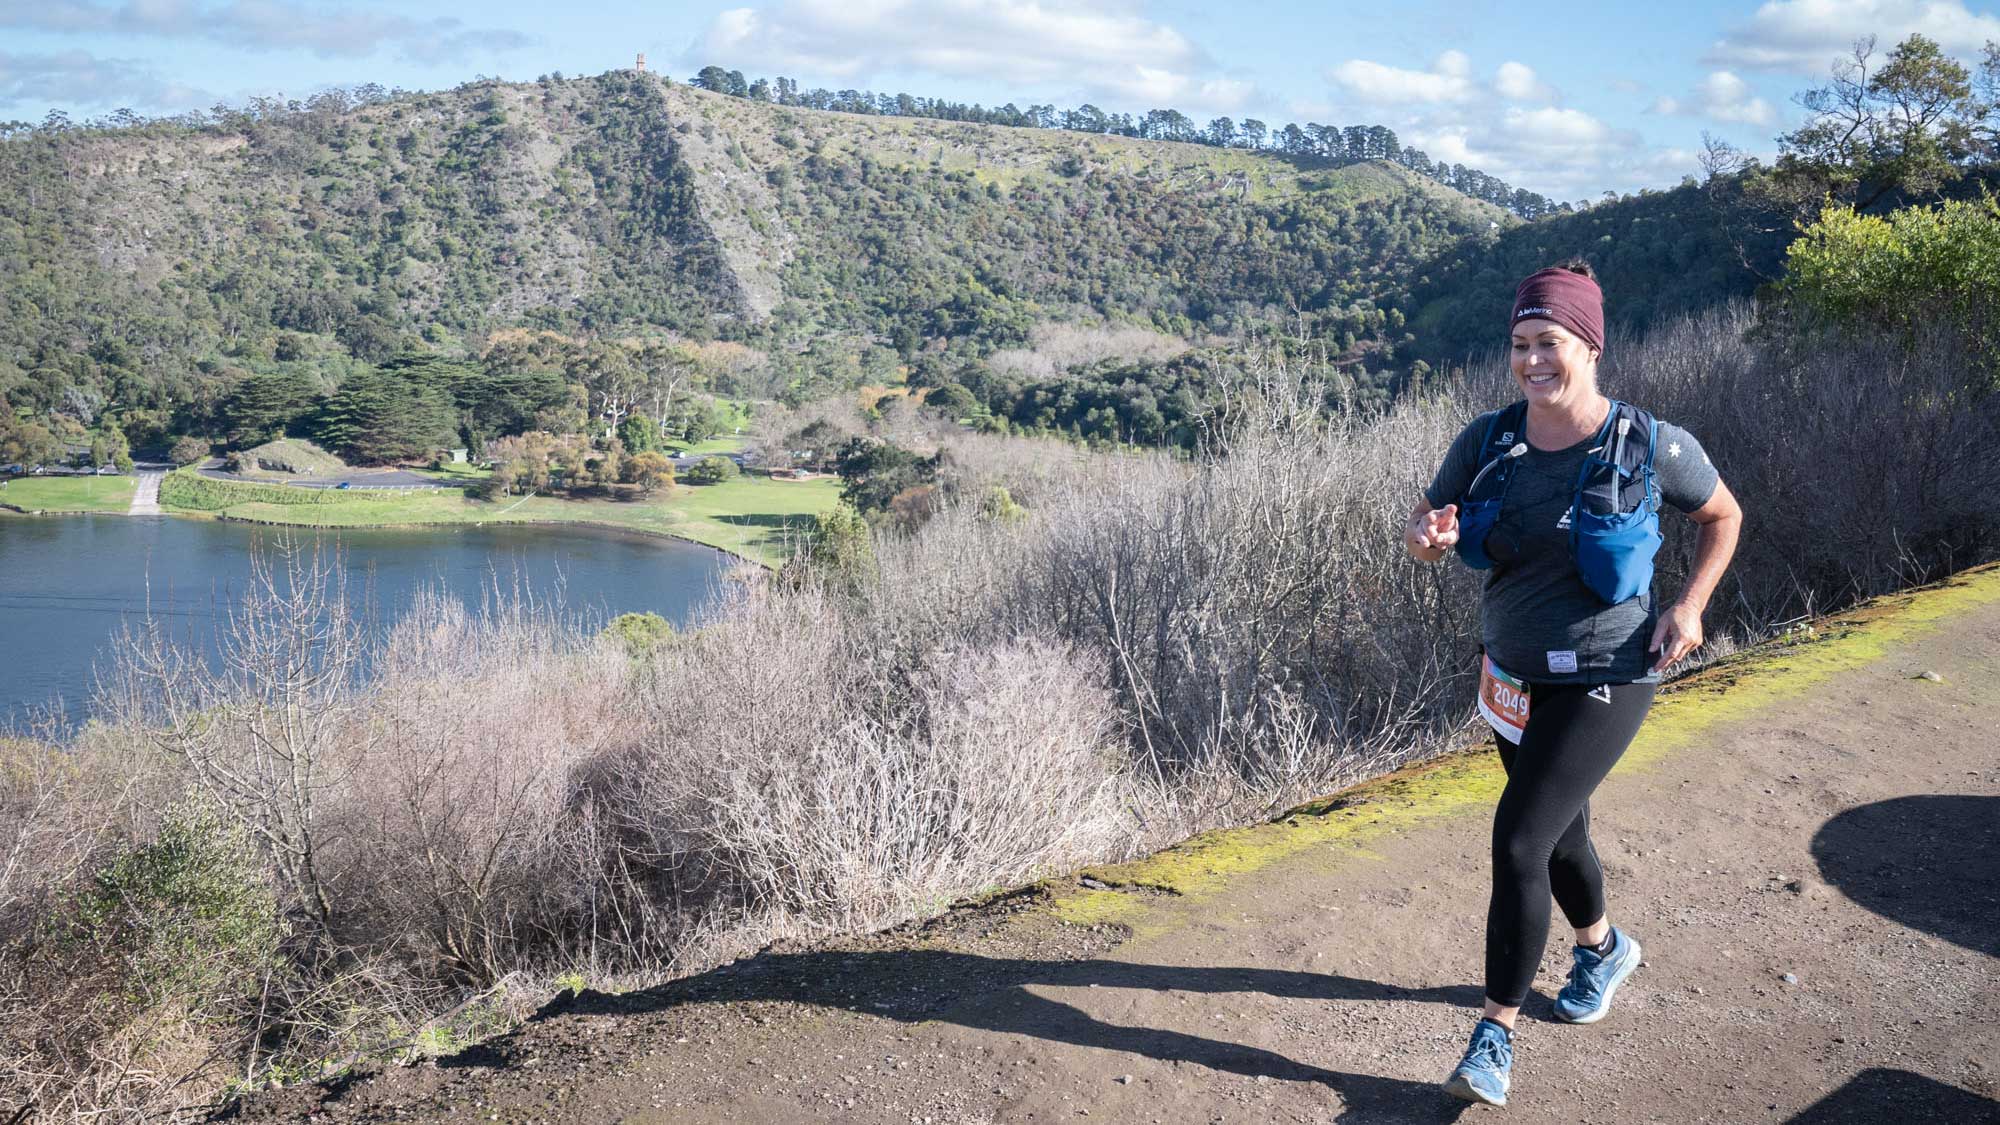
{"x": 1812, "y": 865}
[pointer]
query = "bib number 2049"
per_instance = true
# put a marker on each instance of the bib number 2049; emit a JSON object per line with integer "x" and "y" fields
{"x": 1503, "y": 700}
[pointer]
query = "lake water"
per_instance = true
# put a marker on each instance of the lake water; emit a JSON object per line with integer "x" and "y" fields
{"x": 68, "y": 583}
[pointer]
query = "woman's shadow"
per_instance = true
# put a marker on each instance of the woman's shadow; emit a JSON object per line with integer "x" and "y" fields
{"x": 1929, "y": 862}
{"x": 992, "y": 994}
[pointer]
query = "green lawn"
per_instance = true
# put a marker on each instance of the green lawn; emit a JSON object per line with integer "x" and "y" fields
{"x": 69, "y": 494}
{"x": 721, "y": 443}
{"x": 752, "y": 516}
{"x": 736, "y": 413}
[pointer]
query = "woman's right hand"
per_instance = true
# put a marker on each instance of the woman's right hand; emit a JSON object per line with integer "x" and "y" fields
{"x": 1432, "y": 531}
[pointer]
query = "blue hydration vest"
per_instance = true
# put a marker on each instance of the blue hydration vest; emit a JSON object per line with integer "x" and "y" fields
{"x": 1614, "y": 518}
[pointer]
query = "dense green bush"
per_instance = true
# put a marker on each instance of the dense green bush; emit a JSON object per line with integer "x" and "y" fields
{"x": 842, "y": 545}
{"x": 188, "y": 450}
{"x": 711, "y": 470}
{"x": 191, "y": 915}
{"x": 639, "y": 633}
{"x": 1893, "y": 272}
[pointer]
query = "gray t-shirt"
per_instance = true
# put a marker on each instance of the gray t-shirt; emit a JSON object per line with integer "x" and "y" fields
{"x": 1538, "y": 620}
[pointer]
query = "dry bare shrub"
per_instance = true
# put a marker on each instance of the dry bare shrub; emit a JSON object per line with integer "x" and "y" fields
{"x": 1054, "y": 348}
{"x": 1865, "y": 463}
{"x": 1265, "y": 588}
{"x": 66, "y": 813}
{"x": 479, "y": 722}
{"x": 420, "y": 826}
{"x": 268, "y": 734}
{"x": 773, "y": 423}
{"x": 1028, "y": 467}
{"x": 132, "y": 991}
{"x": 853, "y": 793}
{"x": 63, "y": 808}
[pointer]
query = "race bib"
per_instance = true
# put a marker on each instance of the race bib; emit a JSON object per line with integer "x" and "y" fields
{"x": 1503, "y": 700}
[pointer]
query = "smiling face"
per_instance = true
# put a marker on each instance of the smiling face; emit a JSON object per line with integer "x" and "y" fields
{"x": 1552, "y": 364}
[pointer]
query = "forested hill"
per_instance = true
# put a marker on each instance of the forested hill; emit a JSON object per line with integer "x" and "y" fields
{"x": 1658, "y": 254}
{"x": 138, "y": 266}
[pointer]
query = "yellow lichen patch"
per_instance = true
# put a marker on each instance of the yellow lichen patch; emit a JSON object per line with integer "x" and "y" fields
{"x": 1091, "y": 907}
{"x": 1354, "y": 818}
{"x": 1367, "y": 812}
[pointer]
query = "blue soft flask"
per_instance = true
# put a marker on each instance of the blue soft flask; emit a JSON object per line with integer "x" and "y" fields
{"x": 1614, "y": 549}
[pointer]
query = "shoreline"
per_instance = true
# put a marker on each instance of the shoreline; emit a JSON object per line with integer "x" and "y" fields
{"x": 223, "y": 517}
{"x": 602, "y": 525}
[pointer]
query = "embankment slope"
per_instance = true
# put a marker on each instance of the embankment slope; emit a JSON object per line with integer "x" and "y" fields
{"x": 1806, "y": 839}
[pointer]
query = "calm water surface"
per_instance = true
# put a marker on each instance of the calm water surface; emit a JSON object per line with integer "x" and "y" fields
{"x": 68, "y": 583}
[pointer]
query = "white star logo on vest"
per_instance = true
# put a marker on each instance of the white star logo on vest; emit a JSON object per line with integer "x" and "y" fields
{"x": 1674, "y": 449}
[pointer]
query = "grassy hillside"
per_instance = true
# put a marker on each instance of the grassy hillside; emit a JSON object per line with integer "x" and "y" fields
{"x": 942, "y": 228}
{"x": 148, "y": 267}
{"x": 499, "y": 204}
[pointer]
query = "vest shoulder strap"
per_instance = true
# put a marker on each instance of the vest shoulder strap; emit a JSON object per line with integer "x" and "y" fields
{"x": 1504, "y": 428}
{"x": 1640, "y": 440}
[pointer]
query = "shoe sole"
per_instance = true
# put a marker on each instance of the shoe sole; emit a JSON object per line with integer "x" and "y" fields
{"x": 1610, "y": 990}
{"x": 1458, "y": 1087}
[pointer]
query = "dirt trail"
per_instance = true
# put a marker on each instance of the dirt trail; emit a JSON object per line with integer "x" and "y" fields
{"x": 1807, "y": 844}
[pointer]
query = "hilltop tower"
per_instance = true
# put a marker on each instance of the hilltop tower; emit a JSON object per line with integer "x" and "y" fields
{"x": 641, "y": 66}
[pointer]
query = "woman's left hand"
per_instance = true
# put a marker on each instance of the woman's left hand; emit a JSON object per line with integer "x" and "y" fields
{"x": 1677, "y": 634}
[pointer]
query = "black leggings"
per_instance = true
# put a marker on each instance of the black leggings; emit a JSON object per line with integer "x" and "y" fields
{"x": 1541, "y": 830}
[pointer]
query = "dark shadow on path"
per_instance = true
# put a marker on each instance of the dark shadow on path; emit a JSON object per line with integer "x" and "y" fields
{"x": 1878, "y": 1095}
{"x": 992, "y": 994}
{"x": 1931, "y": 863}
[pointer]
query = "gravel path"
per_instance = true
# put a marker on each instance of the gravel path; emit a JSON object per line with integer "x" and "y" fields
{"x": 1816, "y": 881}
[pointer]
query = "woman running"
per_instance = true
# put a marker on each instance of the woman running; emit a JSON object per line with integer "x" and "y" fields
{"x": 1556, "y": 497}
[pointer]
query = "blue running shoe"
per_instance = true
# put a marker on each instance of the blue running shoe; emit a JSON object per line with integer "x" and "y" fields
{"x": 1594, "y": 980}
{"x": 1482, "y": 1075}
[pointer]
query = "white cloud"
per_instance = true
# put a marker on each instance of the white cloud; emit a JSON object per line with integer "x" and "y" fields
{"x": 1806, "y": 36}
{"x": 80, "y": 80}
{"x": 1725, "y": 97}
{"x": 1104, "y": 47}
{"x": 266, "y": 24}
{"x": 1518, "y": 82}
{"x": 1559, "y": 152}
{"x": 1448, "y": 80}
{"x": 1560, "y": 128}
{"x": 1510, "y": 125}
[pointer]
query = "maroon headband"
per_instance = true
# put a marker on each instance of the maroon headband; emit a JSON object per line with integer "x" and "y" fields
{"x": 1565, "y": 297}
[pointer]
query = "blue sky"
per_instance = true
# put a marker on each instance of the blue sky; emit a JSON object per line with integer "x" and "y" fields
{"x": 1615, "y": 99}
